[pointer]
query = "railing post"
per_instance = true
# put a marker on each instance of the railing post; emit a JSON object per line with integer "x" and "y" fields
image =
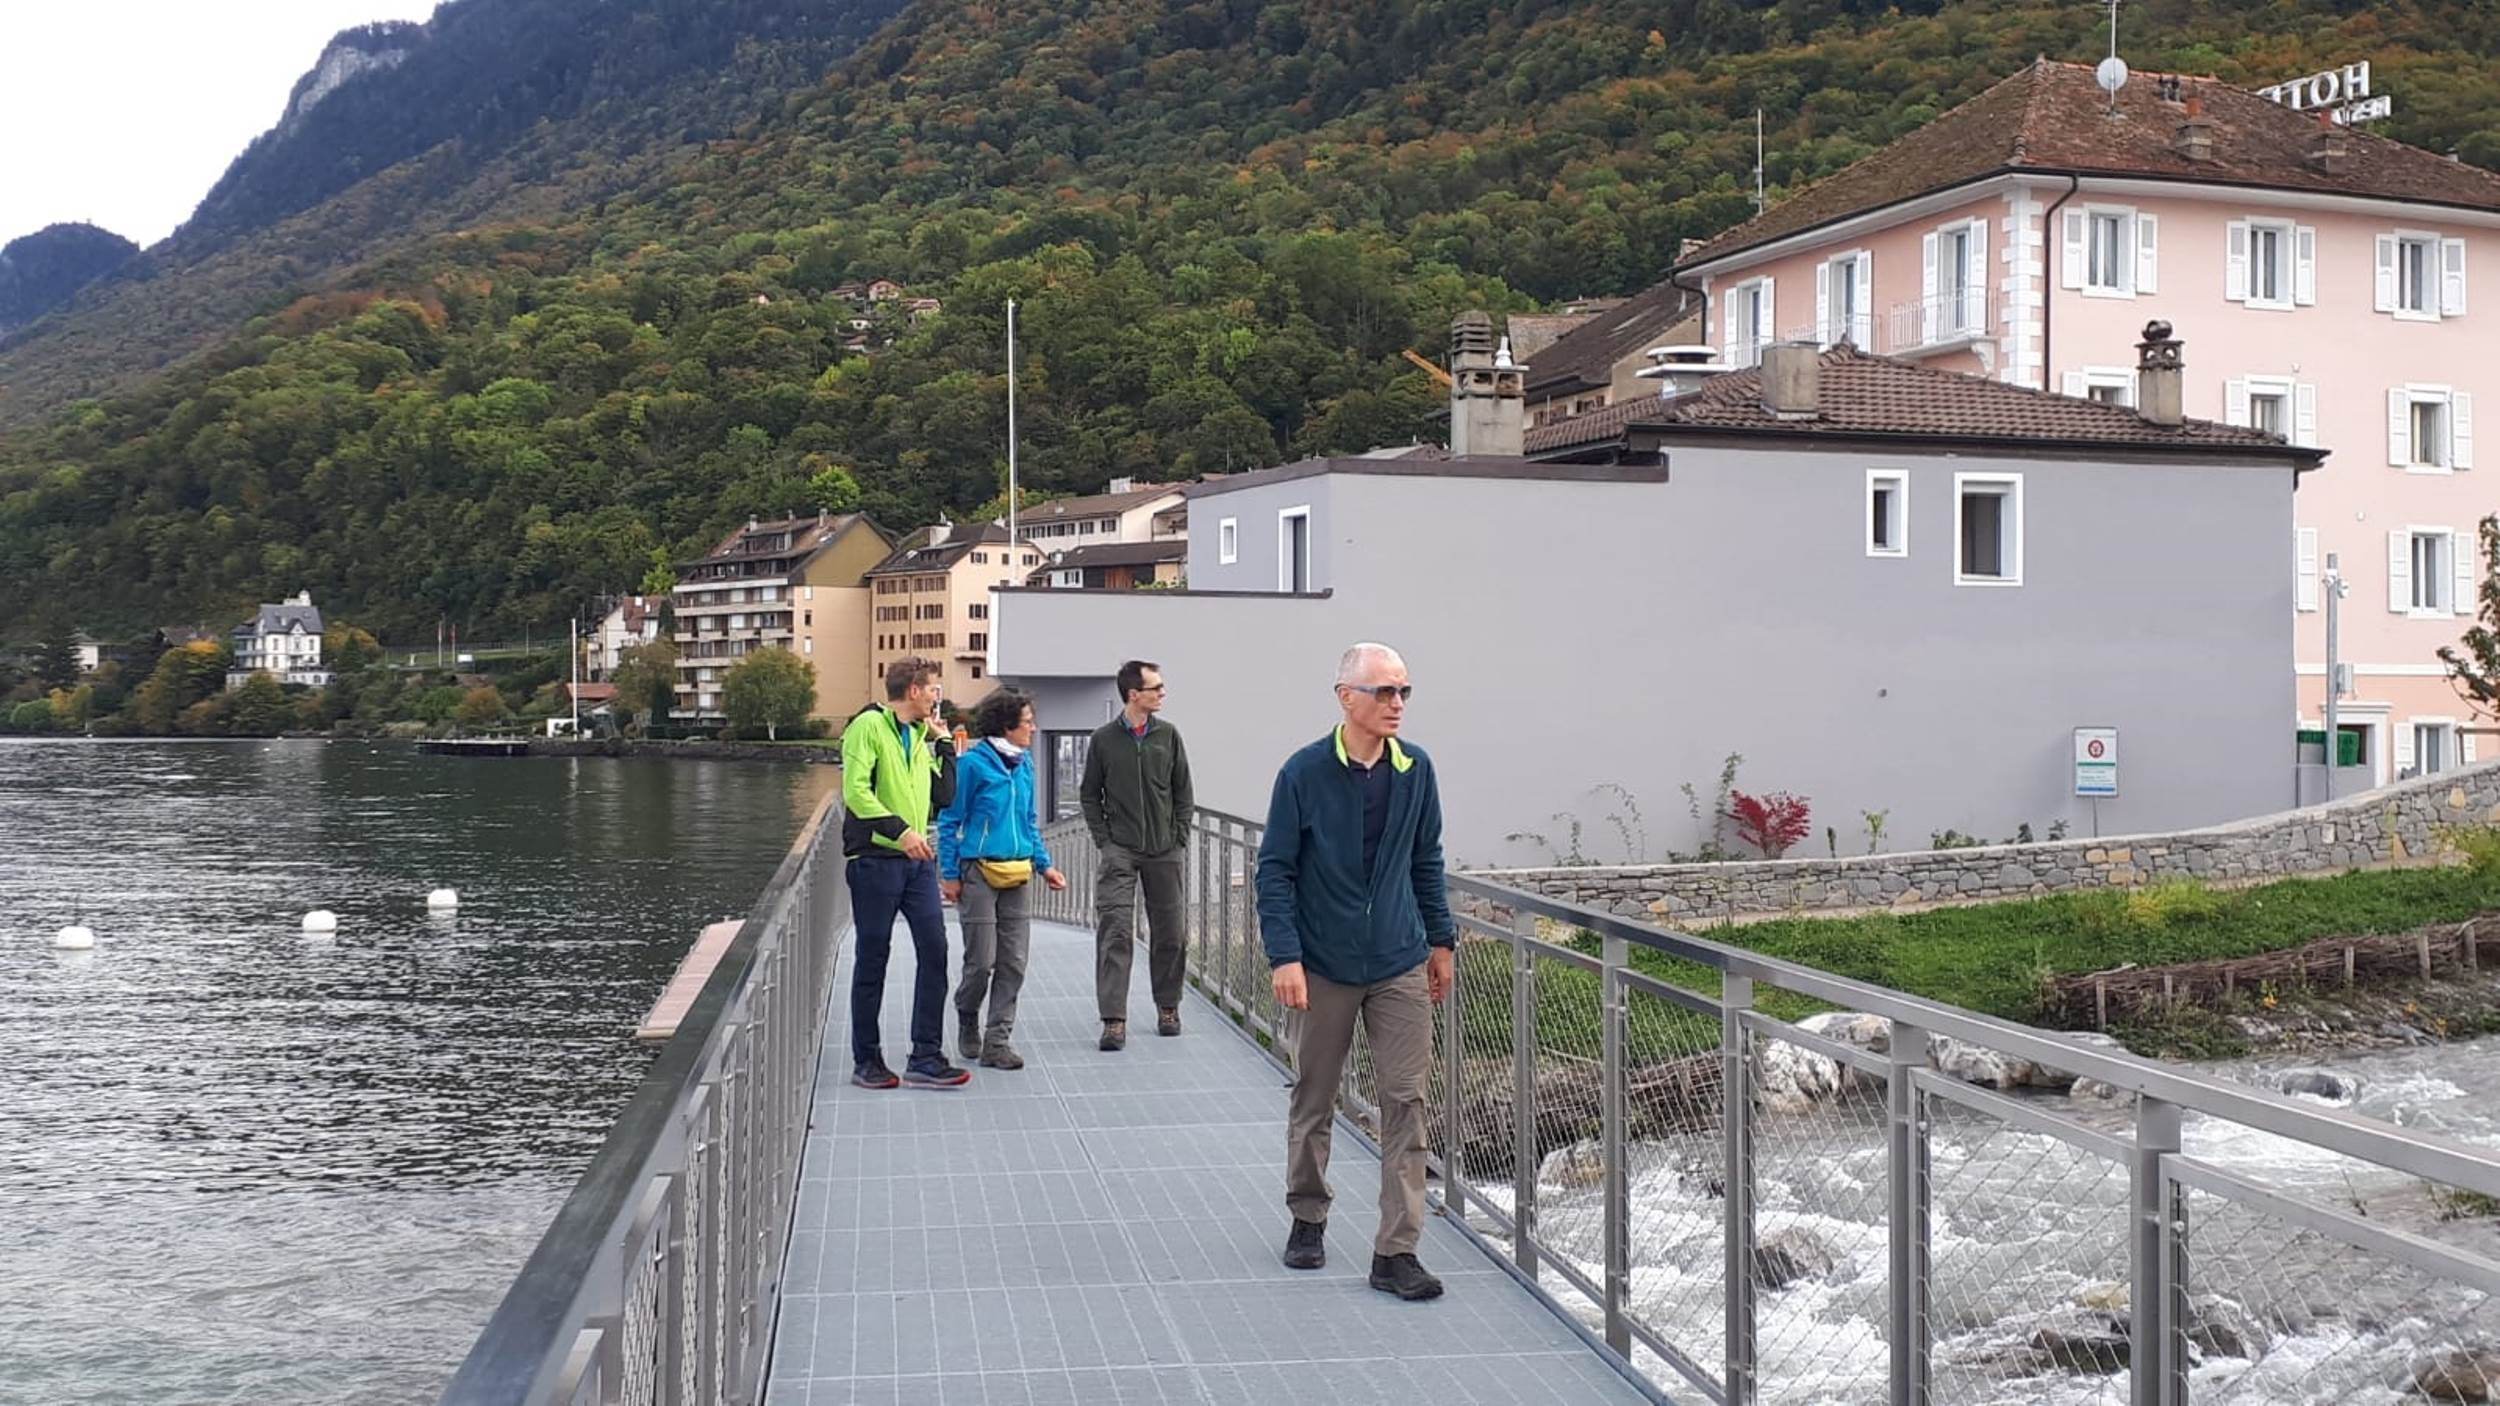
{"x": 1907, "y": 1176}
{"x": 1614, "y": 1137}
{"x": 1736, "y": 1178}
{"x": 711, "y": 1250}
{"x": 1523, "y": 1112}
{"x": 676, "y": 1277}
{"x": 1453, "y": 1069}
{"x": 1236, "y": 988}
{"x": 2157, "y": 1366}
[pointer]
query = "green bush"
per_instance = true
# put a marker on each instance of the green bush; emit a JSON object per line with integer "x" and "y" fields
{"x": 36, "y": 716}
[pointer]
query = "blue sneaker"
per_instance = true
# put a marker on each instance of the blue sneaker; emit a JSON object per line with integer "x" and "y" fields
{"x": 933, "y": 1072}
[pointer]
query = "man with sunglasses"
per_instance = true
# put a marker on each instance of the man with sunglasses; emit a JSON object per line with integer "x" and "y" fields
{"x": 1355, "y": 916}
{"x": 1137, "y": 802}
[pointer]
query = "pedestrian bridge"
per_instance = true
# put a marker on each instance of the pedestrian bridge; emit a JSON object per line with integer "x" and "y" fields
{"x": 1875, "y": 1226}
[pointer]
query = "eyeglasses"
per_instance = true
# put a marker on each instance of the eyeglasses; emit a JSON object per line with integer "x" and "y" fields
{"x": 1152, "y": 688}
{"x": 1383, "y": 692}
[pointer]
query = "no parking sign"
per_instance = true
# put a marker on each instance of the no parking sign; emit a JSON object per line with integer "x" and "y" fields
{"x": 2096, "y": 761}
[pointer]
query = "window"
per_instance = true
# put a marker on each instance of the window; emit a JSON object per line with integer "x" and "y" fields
{"x": 1228, "y": 541}
{"x": 980, "y": 558}
{"x": 2430, "y": 429}
{"x": 2280, "y": 406}
{"x": 1887, "y": 514}
{"x": 2421, "y": 276}
{"x": 2269, "y": 256}
{"x": 1293, "y": 550}
{"x": 2110, "y": 385}
{"x": 808, "y": 645}
{"x": 2434, "y": 747}
{"x": 976, "y": 668}
{"x": 2109, "y": 251}
{"x": 2425, "y": 571}
{"x": 977, "y": 612}
{"x": 2271, "y": 263}
{"x": 977, "y": 640}
{"x": 1069, "y": 579}
{"x": 2105, "y": 262}
{"x": 1988, "y": 530}
{"x": 1747, "y": 319}
{"x": 1841, "y": 295}
{"x": 809, "y": 618}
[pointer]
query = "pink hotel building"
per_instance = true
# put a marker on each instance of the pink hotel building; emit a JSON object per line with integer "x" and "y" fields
{"x": 2321, "y": 278}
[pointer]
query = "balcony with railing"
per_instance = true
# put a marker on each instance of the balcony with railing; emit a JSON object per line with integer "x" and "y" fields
{"x": 1936, "y": 325}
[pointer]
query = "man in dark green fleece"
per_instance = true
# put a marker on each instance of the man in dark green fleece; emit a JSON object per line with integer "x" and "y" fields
{"x": 1355, "y": 914}
{"x": 1137, "y": 802}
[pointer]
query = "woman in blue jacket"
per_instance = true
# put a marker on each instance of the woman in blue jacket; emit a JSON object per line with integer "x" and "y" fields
{"x": 990, "y": 853}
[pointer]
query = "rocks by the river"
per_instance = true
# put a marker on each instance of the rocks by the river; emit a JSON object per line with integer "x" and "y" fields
{"x": 2092, "y": 1088}
{"x": 1783, "y": 1257}
{"x": 1578, "y": 1166}
{"x": 2319, "y": 1083}
{"x": 1792, "y": 1079}
{"x": 2471, "y": 1374}
{"x": 1867, "y": 1032}
{"x": 2092, "y": 1343}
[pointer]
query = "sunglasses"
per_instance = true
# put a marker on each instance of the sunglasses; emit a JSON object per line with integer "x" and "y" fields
{"x": 1383, "y": 692}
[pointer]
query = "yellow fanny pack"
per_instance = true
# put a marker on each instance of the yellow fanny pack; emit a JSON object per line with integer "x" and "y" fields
{"x": 1005, "y": 873}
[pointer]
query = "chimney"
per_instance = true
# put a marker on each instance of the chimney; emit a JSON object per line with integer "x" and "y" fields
{"x": 2330, "y": 147}
{"x": 1680, "y": 368}
{"x": 2194, "y": 138}
{"x": 939, "y": 533}
{"x": 1488, "y": 392}
{"x": 1792, "y": 380}
{"x": 2159, "y": 374}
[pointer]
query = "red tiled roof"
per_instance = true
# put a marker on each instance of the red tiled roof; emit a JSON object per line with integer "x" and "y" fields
{"x": 2051, "y": 118}
{"x": 1881, "y": 396}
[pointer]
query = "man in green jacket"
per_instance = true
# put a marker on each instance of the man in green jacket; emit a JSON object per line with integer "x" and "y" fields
{"x": 1137, "y": 803}
{"x": 898, "y": 772}
{"x": 1354, "y": 912}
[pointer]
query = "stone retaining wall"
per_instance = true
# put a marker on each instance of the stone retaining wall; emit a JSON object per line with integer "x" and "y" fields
{"x": 2398, "y": 824}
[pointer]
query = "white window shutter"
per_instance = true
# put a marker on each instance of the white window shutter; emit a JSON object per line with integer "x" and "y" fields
{"x": 2465, "y": 745}
{"x": 1975, "y": 281}
{"x": 2071, "y": 263}
{"x": 1927, "y": 289}
{"x": 2305, "y": 564}
{"x": 2385, "y": 297}
{"x": 2452, "y": 278}
{"x": 2400, "y": 572}
{"x": 1765, "y": 330}
{"x": 1862, "y": 320}
{"x": 2075, "y": 385}
{"x": 2460, "y": 430}
{"x": 2305, "y": 414}
{"x": 2235, "y": 402}
{"x": 2147, "y": 254}
{"x": 2399, "y": 428}
{"x": 1823, "y": 330}
{"x": 2404, "y": 745}
{"x": 1728, "y": 340}
{"x": 2461, "y": 565}
{"x": 2305, "y": 265}
{"x": 2235, "y": 263}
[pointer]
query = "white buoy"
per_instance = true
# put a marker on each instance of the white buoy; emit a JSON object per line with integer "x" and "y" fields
{"x": 77, "y": 937}
{"x": 321, "y": 920}
{"x": 442, "y": 900}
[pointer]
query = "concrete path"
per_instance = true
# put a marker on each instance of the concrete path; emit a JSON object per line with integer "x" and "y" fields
{"x": 1104, "y": 1228}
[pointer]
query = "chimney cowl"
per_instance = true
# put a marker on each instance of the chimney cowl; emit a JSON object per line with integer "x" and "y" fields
{"x": 2160, "y": 376}
{"x": 1792, "y": 380}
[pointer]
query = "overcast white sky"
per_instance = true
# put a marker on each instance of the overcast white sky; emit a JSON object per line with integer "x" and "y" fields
{"x": 125, "y": 112}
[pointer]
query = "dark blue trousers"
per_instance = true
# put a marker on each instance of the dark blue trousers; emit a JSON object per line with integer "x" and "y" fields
{"x": 881, "y": 886}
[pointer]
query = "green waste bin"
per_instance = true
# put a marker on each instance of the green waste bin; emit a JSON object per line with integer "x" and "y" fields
{"x": 2348, "y": 744}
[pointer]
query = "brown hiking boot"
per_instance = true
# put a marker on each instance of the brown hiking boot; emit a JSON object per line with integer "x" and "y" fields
{"x": 1114, "y": 1035}
{"x": 1168, "y": 1022}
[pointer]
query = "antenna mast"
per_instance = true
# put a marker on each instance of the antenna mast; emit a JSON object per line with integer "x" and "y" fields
{"x": 1759, "y": 204}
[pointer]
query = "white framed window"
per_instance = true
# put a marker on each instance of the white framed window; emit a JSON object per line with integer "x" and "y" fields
{"x": 2271, "y": 264}
{"x": 1071, "y": 578}
{"x": 2420, "y": 275}
{"x": 1747, "y": 317}
{"x": 1887, "y": 513}
{"x": 2110, "y": 385}
{"x": 1988, "y": 529}
{"x": 1953, "y": 282}
{"x": 2427, "y": 748}
{"x": 1293, "y": 549}
{"x": 2427, "y": 577}
{"x": 2111, "y": 251}
{"x": 1228, "y": 541}
{"x": 2430, "y": 429}
{"x": 2278, "y": 405}
{"x": 1842, "y": 288}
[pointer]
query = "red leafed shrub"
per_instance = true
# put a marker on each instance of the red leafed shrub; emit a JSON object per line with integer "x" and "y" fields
{"x": 1770, "y": 823}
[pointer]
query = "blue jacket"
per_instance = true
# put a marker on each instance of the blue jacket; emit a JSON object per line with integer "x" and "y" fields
{"x": 1316, "y": 905}
{"x": 994, "y": 814}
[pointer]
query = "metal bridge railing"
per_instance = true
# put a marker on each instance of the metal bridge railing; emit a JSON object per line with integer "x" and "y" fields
{"x": 659, "y": 1278}
{"x": 1747, "y": 1208}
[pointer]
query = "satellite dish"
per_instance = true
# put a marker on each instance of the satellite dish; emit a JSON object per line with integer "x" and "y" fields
{"x": 2111, "y": 75}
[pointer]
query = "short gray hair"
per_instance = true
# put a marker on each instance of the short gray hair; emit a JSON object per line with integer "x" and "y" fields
{"x": 1350, "y": 665}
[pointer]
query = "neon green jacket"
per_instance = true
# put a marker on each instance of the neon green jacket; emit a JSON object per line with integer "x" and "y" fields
{"x": 895, "y": 777}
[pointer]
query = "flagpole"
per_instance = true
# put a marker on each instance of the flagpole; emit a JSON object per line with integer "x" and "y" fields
{"x": 1014, "y": 555}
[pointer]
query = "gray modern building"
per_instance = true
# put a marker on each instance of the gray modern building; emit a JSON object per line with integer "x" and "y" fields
{"x": 1888, "y": 589}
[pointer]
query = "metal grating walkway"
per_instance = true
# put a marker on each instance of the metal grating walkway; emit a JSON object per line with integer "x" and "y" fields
{"x": 1104, "y": 1228}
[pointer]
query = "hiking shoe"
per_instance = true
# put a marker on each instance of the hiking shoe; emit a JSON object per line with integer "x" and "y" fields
{"x": 935, "y": 1073}
{"x": 1168, "y": 1022}
{"x": 872, "y": 1074}
{"x": 1114, "y": 1035}
{"x": 968, "y": 1034}
{"x": 998, "y": 1054}
{"x": 1306, "y": 1247}
{"x": 1403, "y": 1276}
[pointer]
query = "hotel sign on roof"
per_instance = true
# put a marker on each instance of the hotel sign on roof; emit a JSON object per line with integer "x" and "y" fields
{"x": 2345, "y": 92}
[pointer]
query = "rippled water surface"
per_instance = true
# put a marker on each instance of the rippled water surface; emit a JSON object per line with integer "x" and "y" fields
{"x": 242, "y": 1163}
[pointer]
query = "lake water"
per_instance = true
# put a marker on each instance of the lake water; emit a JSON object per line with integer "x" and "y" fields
{"x": 241, "y": 1163}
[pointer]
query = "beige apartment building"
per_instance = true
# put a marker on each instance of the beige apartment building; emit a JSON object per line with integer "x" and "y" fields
{"x": 931, "y": 598}
{"x": 796, "y": 583}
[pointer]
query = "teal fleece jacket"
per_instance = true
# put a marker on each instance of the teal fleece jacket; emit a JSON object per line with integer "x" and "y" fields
{"x": 1316, "y": 905}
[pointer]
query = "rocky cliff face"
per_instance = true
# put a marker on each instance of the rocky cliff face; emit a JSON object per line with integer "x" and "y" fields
{"x": 354, "y": 53}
